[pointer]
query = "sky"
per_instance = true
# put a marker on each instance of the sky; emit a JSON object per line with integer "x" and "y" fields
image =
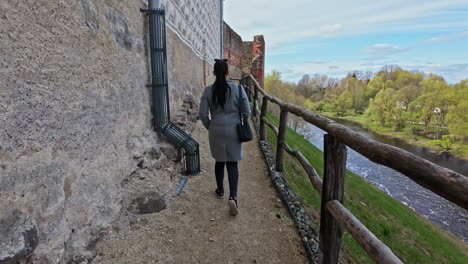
{"x": 335, "y": 37}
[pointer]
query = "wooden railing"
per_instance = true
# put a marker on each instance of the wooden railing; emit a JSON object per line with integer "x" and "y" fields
{"x": 333, "y": 215}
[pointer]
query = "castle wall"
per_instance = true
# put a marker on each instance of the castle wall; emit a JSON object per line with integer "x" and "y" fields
{"x": 233, "y": 51}
{"x": 76, "y": 112}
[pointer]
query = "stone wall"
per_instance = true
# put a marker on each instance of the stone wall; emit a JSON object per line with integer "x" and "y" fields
{"x": 76, "y": 119}
{"x": 233, "y": 51}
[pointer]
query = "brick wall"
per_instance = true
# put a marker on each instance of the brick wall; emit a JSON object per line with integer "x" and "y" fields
{"x": 258, "y": 61}
{"x": 253, "y": 60}
{"x": 233, "y": 51}
{"x": 247, "y": 47}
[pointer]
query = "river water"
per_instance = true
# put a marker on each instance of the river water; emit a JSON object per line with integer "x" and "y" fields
{"x": 436, "y": 209}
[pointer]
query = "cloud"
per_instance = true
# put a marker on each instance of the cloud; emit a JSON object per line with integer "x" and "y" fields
{"x": 315, "y": 62}
{"x": 333, "y": 67}
{"x": 330, "y": 30}
{"x": 447, "y": 38}
{"x": 384, "y": 49}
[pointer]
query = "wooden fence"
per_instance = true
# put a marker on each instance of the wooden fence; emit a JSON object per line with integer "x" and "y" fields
{"x": 333, "y": 215}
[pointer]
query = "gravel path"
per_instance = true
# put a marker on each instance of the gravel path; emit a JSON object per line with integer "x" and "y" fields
{"x": 196, "y": 227}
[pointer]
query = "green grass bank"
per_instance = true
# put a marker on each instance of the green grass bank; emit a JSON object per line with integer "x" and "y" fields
{"x": 411, "y": 237}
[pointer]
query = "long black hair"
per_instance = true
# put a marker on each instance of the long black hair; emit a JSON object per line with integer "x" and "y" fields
{"x": 221, "y": 89}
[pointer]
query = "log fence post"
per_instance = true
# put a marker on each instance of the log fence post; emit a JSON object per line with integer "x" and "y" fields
{"x": 280, "y": 143}
{"x": 249, "y": 84}
{"x": 263, "y": 115}
{"x": 331, "y": 232}
{"x": 254, "y": 114}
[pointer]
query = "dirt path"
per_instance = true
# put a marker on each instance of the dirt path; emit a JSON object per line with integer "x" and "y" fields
{"x": 197, "y": 228}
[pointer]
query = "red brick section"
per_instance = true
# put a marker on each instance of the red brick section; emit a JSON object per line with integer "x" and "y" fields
{"x": 234, "y": 57}
{"x": 247, "y": 47}
{"x": 258, "y": 62}
{"x": 244, "y": 57}
{"x": 232, "y": 50}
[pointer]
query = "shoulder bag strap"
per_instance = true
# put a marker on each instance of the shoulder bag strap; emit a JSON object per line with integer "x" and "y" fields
{"x": 241, "y": 102}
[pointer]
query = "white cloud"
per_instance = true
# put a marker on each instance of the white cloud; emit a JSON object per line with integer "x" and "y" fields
{"x": 446, "y": 38}
{"x": 383, "y": 49}
{"x": 330, "y": 30}
{"x": 315, "y": 61}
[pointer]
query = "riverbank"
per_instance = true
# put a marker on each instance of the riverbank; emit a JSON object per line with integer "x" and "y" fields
{"x": 459, "y": 150}
{"x": 413, "y": 238}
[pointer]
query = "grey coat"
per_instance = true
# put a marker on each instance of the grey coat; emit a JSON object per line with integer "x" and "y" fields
{"x": 224, "y": 141}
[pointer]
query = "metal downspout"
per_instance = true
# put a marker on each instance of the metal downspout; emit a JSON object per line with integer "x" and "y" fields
{"x": 160, "y": 90}
{"x": 153, "y": 4}
{"x": 221, "y": 33}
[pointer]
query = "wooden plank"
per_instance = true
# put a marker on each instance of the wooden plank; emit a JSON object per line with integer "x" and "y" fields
{"x": 262, "y": 116}
{"x": 280, "y": 143}
{"x": 331, "y": 232}
{"x": 447, "y": 183}
{"x": 377, "y": 250}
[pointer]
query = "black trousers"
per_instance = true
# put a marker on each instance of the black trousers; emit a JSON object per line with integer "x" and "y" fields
{"x": 233, "y": 176}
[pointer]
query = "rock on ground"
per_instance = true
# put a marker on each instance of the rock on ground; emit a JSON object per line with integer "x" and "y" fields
{"x": 18, "y": 234}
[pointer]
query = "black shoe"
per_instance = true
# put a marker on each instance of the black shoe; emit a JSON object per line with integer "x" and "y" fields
{"x": 233, "y": 209}
{"x": 219, "y": 193}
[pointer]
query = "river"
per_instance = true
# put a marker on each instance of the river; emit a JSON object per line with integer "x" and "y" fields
{"x": 436, "y": 209}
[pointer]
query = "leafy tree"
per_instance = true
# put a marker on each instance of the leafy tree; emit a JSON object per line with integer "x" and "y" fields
{"x": 407, "y": 84}
{"x": 344, "y": 102}
{"x": 357, "y": 88}
{"x": 457, "y": 116}
{"x": 273, "y": 82}
{"x": 423, "y": 108}
{"x": 381, "y": 106}
{"x": 374, "y": 86}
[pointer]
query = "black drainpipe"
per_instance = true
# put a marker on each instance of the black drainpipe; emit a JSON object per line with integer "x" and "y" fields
{"x": 160, "y": 91}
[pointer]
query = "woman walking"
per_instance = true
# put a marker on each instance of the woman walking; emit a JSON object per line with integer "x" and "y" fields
{"x": 220, "y": 105}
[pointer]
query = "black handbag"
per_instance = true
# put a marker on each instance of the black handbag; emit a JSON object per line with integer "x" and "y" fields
{"x": 243, "y": 128}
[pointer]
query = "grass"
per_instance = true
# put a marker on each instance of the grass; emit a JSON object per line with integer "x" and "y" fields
{"x": 411, "y": 237}
{"x": 459, "y": 149}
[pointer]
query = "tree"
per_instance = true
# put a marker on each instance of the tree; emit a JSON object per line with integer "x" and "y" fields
{"x": 357, "y": 88}
{"x": 304, "y": 87}
{"x": 319, "y": 83}
{"x": 343, "y": 103}
{"x": 381, "y": 106}
{"x": 273, "y": 82}
{"x": 457, "y": 116}
{"x": 423, "y": 108}
{"x": 407, "y": 84}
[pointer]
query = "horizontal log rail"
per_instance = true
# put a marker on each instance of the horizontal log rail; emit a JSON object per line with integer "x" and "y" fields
{"x": 446, "y": 183}
{"x": 313, "y": 175}
{"x": 380, "y": 252}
